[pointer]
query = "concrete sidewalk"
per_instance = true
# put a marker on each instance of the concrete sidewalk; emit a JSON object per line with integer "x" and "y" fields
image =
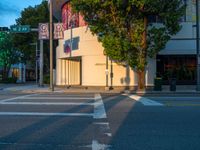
{"x": 33, "y": 88}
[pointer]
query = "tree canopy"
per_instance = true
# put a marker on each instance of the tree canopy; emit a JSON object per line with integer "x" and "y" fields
{"x": 126, "y": 30}
{"x": 32, "y": 16}
{"x": 8, "y": 55}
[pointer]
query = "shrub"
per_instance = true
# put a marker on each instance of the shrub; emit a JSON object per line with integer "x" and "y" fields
{"x": 9, "y": 80}
{"x": 46, "y": 79}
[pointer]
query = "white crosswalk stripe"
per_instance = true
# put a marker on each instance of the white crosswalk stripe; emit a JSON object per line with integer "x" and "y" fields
{"x": 98, "y": 113}
{"x": 144, "y": 101}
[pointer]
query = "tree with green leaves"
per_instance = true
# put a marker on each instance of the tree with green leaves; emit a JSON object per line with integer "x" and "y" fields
{"x": 126, "y": 31}
{"x": 32, "y": 16}
{"x": 8, "y": 55}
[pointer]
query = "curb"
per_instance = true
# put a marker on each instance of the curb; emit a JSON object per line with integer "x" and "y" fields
{"x": 164, "y": 93}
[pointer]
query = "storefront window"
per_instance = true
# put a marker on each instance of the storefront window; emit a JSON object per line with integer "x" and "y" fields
{"x": 181, "y": 67}
{"x": 15, "y": 73}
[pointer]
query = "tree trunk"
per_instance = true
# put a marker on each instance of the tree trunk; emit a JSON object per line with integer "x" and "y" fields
{"x": 141, "y": 72}
{"x": 5, "y": 72}
{"x": 141, "y": 80}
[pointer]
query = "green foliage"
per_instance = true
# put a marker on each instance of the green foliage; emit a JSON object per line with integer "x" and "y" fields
{"x": 46, "y": 79}
{"x": 120, "y": 26}
{"x": 8, "y": 55}
{"x": 9, "y": 80}
{"x": 32, "y": 16}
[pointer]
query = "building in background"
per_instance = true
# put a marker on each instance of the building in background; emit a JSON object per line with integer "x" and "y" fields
{"x": 86, "y": 63}
{"x": 17, "y": 71}
{"x": 178, "y": 59}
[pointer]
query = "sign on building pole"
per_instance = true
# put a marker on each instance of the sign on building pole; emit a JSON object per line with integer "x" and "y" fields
{"x": 58, "y": 31}
{"x": 43, "y": 35}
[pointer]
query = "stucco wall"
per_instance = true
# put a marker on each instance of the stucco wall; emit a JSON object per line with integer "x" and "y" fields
{"x": 93, "y": 66}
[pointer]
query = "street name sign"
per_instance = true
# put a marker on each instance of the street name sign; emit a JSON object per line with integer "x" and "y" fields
{"x": 20, "y": 29}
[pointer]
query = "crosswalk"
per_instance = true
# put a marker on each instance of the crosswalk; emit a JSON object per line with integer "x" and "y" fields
{"x": 61, "y": 105}
{"x": 98, "y": 113}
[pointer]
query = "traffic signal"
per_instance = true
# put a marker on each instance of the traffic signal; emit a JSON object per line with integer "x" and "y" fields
{"x": 3, "y": 29}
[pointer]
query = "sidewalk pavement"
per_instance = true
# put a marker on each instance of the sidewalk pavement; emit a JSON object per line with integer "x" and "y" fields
{"x": 33, "y": 88}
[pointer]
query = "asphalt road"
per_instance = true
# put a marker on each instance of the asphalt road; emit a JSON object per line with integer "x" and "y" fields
{"x": 58, "y": 121}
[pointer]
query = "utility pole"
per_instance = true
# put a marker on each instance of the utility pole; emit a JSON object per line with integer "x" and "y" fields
{"x": 41, "y": 62}
{"x": 51, "y": 45}
{"x": 36, "y": 63}
{"x": 197, "y": 45}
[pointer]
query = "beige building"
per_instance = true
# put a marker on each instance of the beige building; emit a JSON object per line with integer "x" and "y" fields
{"x": 86, "y": 64}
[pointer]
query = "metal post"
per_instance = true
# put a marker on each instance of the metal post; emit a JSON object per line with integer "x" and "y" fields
{"x": 71, "y": 38}
{"x": 71, "y": 47}
{"x": 111, "y": 74}
{"x": 106, "y": 71}
{"x": 51, "y": 46}
{"x": 41, "y": 62}
{"x": 68, "y": 74}
{"x": 36, "y": 63}
{"x": 197, "y": 45}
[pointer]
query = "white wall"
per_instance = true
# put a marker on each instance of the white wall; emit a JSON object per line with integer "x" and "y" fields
{"x": 183, "y": 43}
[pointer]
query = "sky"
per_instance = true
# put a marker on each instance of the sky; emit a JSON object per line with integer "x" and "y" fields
{"x": 10, "y": 10}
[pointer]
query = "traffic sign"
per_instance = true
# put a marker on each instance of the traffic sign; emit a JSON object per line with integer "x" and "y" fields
{"x": 43, "y": 31}
{"x": 20, "y": 29}
{"x": 58, "y": 31}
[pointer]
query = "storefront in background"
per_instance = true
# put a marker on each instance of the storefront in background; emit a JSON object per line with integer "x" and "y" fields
{"x": 181, "y": 67}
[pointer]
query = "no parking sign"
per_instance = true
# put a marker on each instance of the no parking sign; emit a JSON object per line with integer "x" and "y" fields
{"x": 43, "y": 31}
{"x": 58, "y": 31}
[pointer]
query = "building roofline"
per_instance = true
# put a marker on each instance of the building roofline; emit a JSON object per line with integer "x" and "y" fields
{"x": 57, "y": 6}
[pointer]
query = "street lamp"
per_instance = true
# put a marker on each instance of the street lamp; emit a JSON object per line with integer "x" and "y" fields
{"x": 197, "y": 46}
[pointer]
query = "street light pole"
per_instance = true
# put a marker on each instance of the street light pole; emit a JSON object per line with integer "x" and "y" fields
{"x": 197, "y": 46}
{"x": 51, "y": 46}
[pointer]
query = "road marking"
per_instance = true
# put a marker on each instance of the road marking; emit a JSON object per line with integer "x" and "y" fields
{"x": 101, "y": 123}
{"x": 48, "y": 98}
{"x": 46, "y": 103}
{"x": 145, "y": 101}
{"x": 99, "y": 110}
{"x": 45, "y": 114}
{"x": 104, "y": 126}
{"x": 108, "y": 134}
{"x": 19, "y": 97}
{"x": 97, "y": 146}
